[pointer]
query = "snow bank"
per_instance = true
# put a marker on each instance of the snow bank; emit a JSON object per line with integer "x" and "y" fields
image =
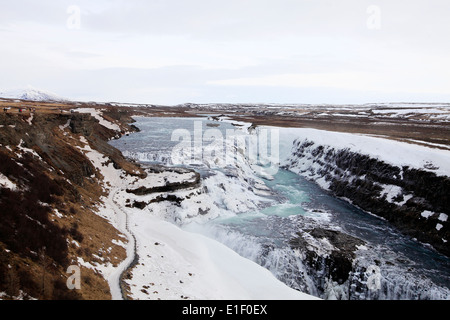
{"x": 6, "y": 183}
{"x": 97, "y": 114}
{"x": 23, "y": 149}
{"x": 390, "y": 151}
{"x": 176, "y": 264}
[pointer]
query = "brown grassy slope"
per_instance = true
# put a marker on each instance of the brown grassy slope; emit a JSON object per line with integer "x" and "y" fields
{"x": 67, "y": 182}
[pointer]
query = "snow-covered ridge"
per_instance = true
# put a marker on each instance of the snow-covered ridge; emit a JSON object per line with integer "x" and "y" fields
{"x": 31, "y": 94}
{"x": 393, "y": 152}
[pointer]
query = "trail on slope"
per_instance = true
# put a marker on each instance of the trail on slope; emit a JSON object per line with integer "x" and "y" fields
{"x": 115, "y": 278}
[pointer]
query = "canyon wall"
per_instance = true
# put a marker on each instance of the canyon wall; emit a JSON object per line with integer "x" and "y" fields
{"x": 415, "y": 200}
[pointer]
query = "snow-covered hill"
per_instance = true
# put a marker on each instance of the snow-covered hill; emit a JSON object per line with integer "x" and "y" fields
{"x": 31, "y": 94}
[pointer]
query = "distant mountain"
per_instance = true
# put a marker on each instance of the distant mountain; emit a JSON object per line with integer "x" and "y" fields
{"x": 31, "y": 94}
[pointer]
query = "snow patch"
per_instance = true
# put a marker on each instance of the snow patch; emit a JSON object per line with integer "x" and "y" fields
{"x": 23, "y": 149}
{"x": 6, "y": 183}
{"x": 426, "y": 214}
{"x": 178, "y": 264}
{"x": 97, "y": 114}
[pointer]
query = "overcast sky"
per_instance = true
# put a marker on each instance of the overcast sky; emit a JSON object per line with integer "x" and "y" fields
{"x": 272, "y": 51}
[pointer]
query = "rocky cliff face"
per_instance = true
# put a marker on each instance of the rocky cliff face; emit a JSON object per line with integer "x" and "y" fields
{"x": 49, "y": 193}
{"x": 329, "y": 254}
{"x": 416, "y": 201}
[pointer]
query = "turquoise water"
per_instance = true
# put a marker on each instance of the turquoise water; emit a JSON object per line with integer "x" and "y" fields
{"x": 287, "y": 184}
{"x": 410, "y": 270}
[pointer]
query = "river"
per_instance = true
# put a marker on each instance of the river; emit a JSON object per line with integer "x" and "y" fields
{"x": 406, "y": 269}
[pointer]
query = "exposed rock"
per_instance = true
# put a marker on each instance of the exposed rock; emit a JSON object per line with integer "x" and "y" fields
{"x": 81, "y": 123}
{"x": 169, "y": 197}
{"x": 139, "y": 204}
{"x": 203, "y": 212}
{"x": 169, "y": 186}
{"x": 328, "y": 251}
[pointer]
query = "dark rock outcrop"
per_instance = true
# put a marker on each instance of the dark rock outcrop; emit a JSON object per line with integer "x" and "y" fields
{"x": 336, "y": 260}
{"x": 169, "y": 186}
{"x": 170, "y": 197}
